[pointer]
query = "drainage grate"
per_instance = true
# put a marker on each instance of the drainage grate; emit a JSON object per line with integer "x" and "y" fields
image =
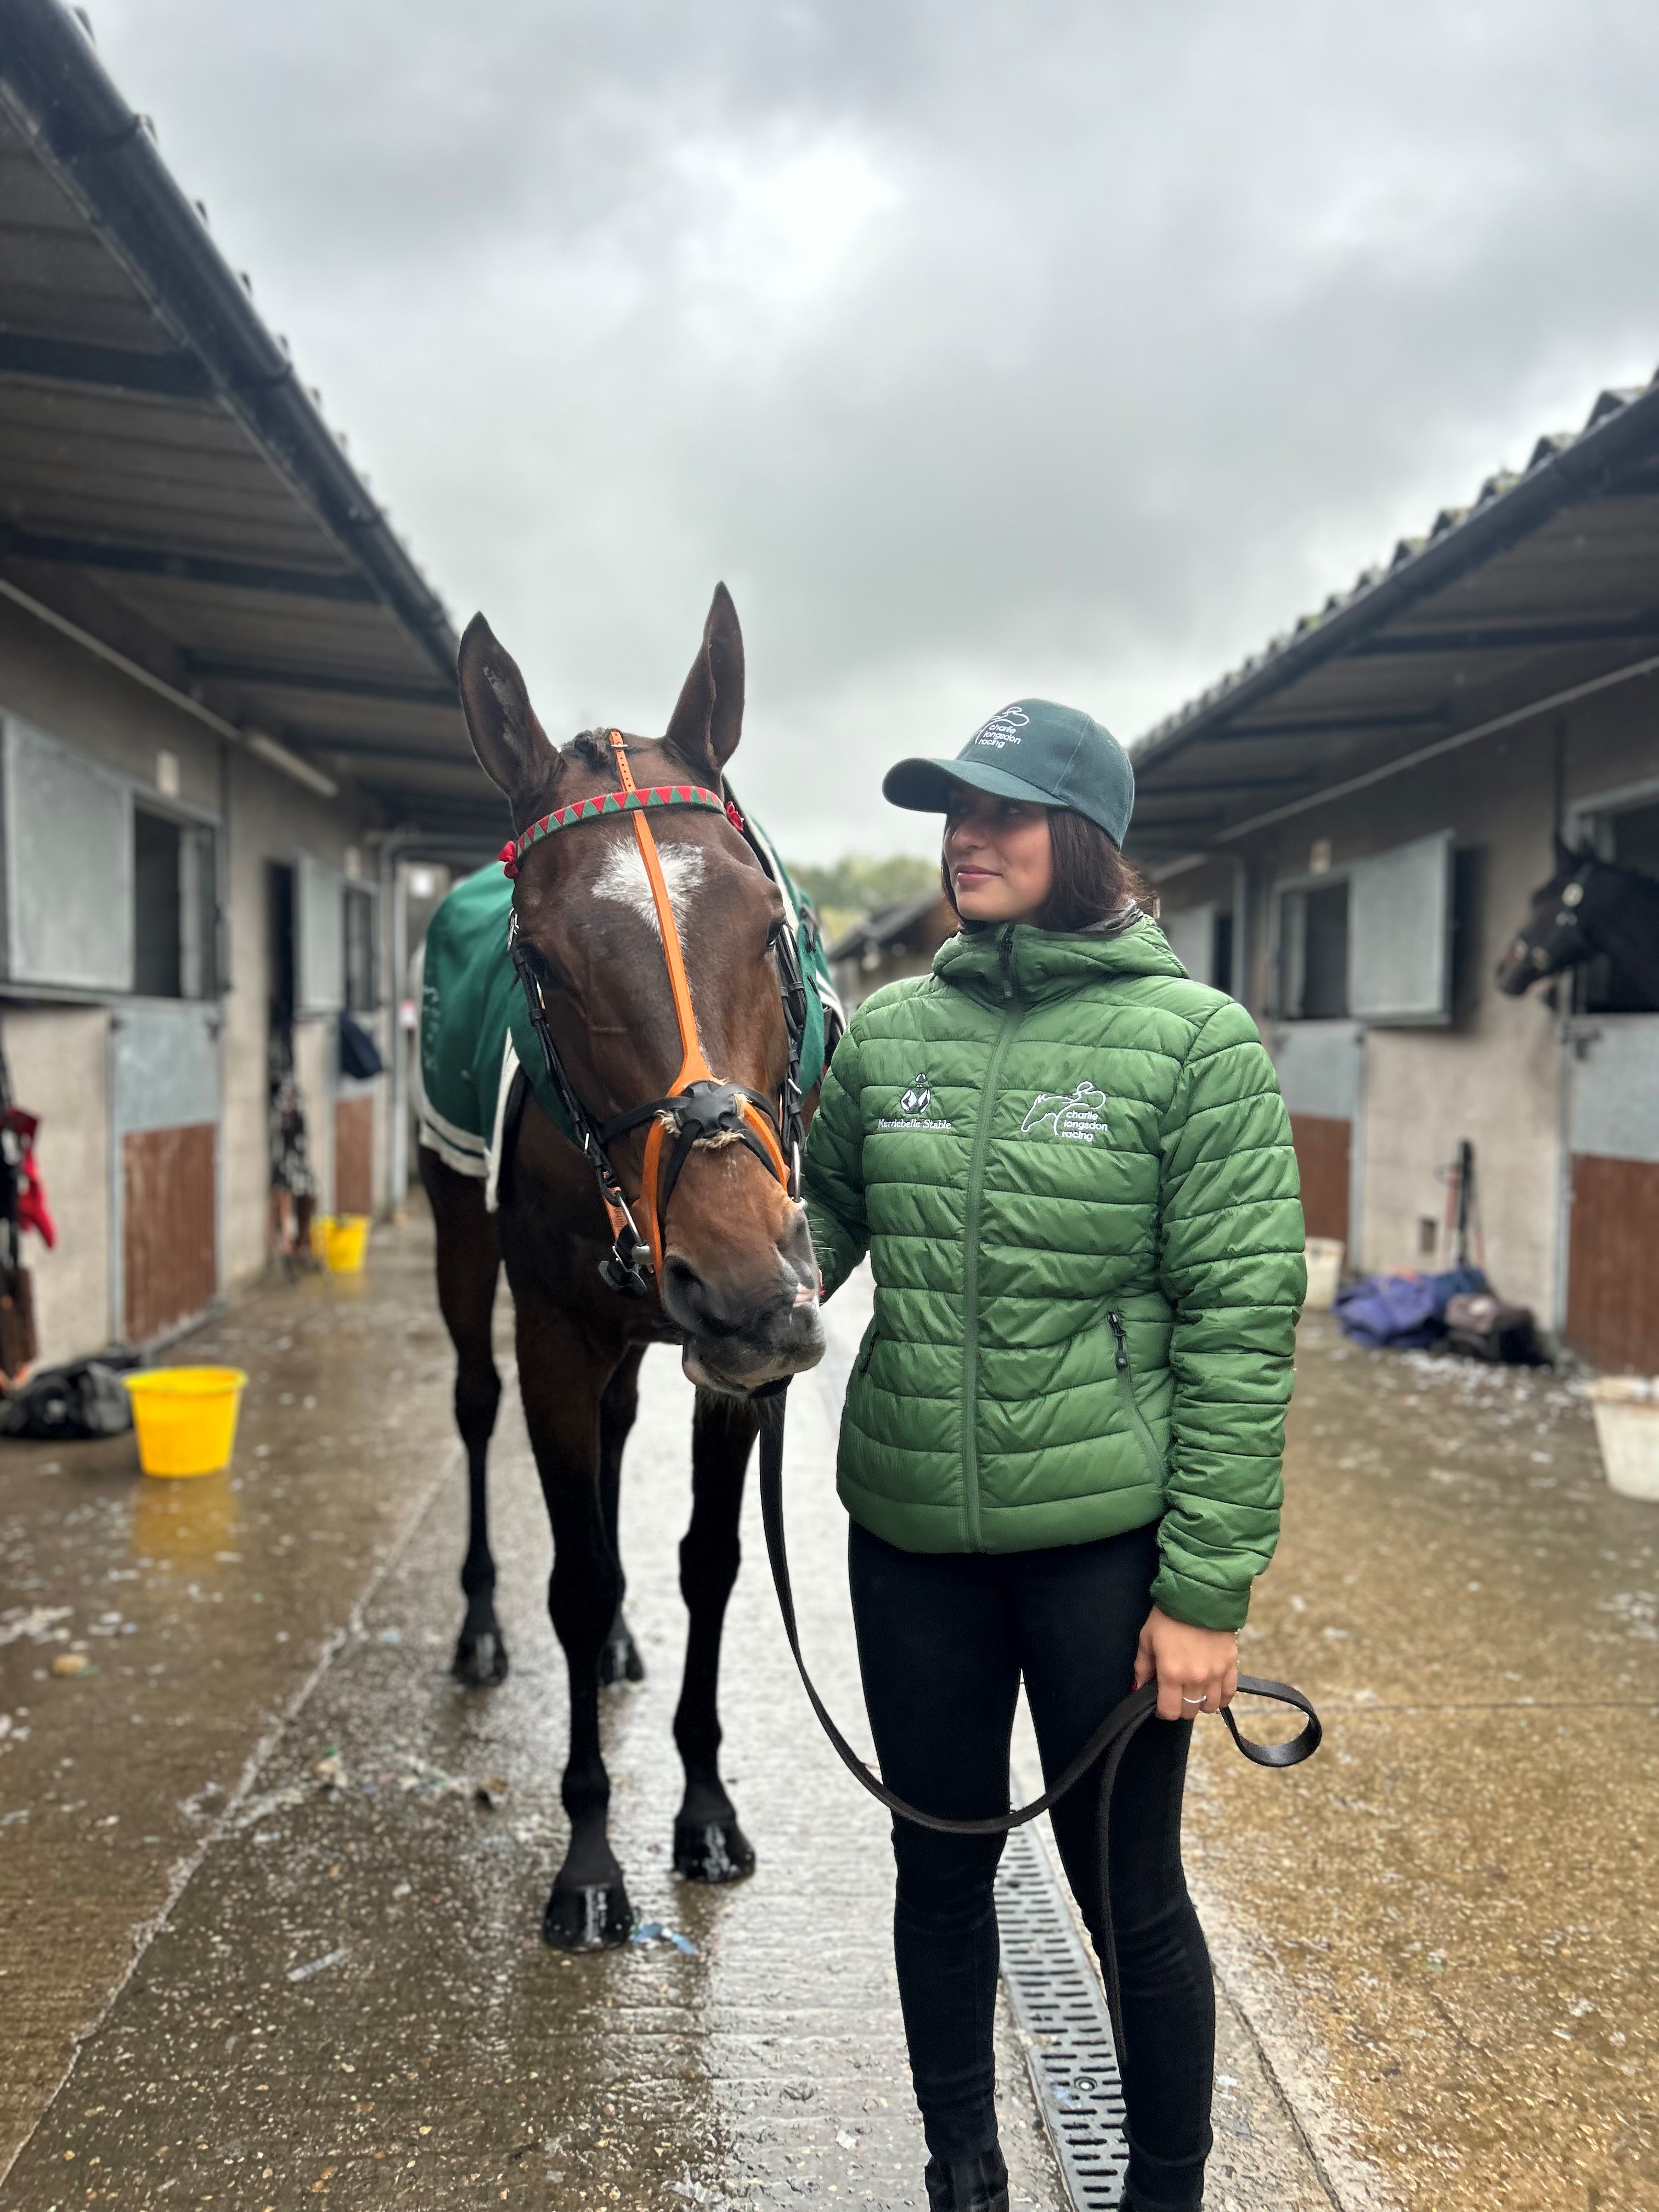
{"x": 1067, "y": 2032}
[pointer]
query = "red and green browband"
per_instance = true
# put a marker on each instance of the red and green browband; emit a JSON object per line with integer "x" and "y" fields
{"x": 616, "y": 802}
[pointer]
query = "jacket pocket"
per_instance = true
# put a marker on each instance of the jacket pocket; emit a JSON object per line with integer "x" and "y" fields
{"x": 1126, "y": 1391}
{"x": 867, "y": 1351}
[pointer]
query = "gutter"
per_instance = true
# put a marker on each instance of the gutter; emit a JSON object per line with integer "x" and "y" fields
{"x": 67, "y": 101}
{"x": 1489, "y": 528}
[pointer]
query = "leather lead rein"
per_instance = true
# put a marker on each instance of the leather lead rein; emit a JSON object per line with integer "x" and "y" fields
{"x": 1107, "y": 1744}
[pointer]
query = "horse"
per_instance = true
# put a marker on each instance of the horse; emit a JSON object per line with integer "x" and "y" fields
{"x": 1588, "y": 907}
{"x": 732, "y": 1278}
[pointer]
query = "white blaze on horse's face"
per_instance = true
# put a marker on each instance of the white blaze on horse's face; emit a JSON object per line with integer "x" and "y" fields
{"x": 622, "y": 877}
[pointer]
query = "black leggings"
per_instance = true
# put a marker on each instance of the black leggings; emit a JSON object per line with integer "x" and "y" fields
{"x": 944, "y": 1639}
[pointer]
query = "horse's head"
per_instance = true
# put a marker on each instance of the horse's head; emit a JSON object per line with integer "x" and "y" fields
{"x": 739, "y": 1278}
{"x": 1554, "y": 936}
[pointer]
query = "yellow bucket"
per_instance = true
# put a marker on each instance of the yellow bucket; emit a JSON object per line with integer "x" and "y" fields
{"x": 342, "y": 1241}
{"x": 185, "y": 1417}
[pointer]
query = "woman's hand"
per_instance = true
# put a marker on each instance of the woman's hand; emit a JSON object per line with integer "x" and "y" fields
{"x": 1196, "y": 1669}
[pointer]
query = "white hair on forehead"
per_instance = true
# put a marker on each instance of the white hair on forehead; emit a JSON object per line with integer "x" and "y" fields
{"x": 622, "y": 877}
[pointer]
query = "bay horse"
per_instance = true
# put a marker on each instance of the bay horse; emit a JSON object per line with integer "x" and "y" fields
{"x": 734, "y": 1282}
{"x": 1588, "y": 908}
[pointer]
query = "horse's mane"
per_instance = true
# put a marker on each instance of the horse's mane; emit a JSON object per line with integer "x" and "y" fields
{"x": 591, "y": 746}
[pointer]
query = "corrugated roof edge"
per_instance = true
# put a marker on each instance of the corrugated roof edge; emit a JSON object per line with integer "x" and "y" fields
{"x": 66, "y": 97}
{"x": 1509, "y": 505}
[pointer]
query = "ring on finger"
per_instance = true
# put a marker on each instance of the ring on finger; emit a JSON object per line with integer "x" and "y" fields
{"x": 1203, "y": 1698}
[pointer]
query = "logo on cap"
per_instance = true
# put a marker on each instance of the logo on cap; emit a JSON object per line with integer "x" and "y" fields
{"x": 1003, "y": 729}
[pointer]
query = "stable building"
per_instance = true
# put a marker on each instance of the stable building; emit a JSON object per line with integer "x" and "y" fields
{"x": 890, "y": 942}
{"x": 228, "y": 723}
{"x": 1346, "y": 832}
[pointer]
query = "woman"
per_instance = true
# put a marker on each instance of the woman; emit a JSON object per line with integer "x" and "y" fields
{"x": 1071, "y": 1169}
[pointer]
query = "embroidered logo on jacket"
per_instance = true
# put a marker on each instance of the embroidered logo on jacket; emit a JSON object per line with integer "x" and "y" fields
{"x": 1080, "y": 1118}
{"x": 915, "y": 1109}
{"x": 1002, "y": 729}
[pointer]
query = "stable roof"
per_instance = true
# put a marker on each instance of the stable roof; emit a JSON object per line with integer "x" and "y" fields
{"x": 887, "y": 927}
{"x": 168, "y": 484}
{"x": 1542, "y": 591}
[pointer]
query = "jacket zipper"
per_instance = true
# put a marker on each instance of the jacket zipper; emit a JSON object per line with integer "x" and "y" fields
{"x": 1125, "y": 1389}
{"x": 1012, "y": 1019}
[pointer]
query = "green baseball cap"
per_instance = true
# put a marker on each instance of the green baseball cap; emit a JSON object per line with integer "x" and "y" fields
{"x": 1034, "y": 750}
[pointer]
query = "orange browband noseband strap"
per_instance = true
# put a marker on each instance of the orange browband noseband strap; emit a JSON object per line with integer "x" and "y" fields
{"x": 699, "y": 1108}
{"x": 694, "y": 1068}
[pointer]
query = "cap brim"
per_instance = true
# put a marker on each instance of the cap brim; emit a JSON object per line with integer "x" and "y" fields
{"x": 925, "y": 787}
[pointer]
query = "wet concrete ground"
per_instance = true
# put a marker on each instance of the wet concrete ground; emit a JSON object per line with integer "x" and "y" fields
{"x": 1445, "y": 1926}
{"x": 1437, "y": 1939}
{"x": 349, "y": 1995}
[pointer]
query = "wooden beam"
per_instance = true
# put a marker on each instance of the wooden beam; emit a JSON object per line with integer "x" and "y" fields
{"x": 65, "y": 360}
{"x": 1505, "y": 637}
{"x": 186, "y": 567}
{"x": 261, "y": 676}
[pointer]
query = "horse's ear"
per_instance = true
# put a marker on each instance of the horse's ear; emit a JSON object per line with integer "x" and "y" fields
{"x": 512, "y": 746}
{"x": 708, "y": 720}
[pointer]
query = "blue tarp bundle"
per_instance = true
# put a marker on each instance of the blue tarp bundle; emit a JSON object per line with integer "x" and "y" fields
{"x": 1402, "y": 1313}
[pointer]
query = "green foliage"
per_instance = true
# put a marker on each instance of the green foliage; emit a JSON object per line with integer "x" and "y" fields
{"x": 857, "y": 884}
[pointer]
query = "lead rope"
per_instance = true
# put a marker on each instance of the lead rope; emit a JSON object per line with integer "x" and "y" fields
{"x": 1109, "y": 1742}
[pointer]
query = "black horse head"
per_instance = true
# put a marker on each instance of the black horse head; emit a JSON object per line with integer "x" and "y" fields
{"x": 1589, "y": 907}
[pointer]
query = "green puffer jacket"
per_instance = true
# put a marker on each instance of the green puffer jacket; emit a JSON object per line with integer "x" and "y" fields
{"x": 1073, "y": 1170}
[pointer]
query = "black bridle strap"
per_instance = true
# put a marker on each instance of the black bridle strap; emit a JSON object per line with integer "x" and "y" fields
{"x": 703, "y": 1110}
{"x": 1107, "y": 1745}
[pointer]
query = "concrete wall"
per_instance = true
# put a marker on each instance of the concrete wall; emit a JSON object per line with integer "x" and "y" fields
{"x": 59, "y": 1062}
{"x": 59, "y": 1054}
{"x": 269, "y": 820}
{"x": 1494, "y": 1074}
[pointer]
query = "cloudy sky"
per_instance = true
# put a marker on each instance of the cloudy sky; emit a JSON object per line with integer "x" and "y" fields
{"x": 1069, "y": 348}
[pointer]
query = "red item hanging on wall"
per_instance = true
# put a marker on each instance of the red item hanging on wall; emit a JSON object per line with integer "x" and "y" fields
{"x": 32, "y": 1210}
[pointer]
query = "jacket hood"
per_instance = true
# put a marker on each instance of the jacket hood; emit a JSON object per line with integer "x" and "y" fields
{"x": 1043, "y": 964}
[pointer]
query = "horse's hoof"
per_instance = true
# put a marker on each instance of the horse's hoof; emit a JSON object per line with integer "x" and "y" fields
{"x": 620, "y": 1662}
{"x": 480, "y": 1661}
{"x": 591, "y": 1919}
{"x": 712, "y": 1850}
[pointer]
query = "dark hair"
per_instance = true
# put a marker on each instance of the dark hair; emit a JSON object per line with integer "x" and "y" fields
{"x": 1091, "y": 879}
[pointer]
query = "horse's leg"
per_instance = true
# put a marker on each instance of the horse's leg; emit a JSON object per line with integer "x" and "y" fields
{"x": 563, "y": 1383}
{"x": 619, "y": 1660}
{"x": 709, "y": 1845}
{"x": 468, "y": 1263}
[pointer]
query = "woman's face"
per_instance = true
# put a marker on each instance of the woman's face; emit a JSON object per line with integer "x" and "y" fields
{"x": 998, "y": 855}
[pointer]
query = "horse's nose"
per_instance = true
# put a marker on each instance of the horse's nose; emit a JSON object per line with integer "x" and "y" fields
{"x": 795, "y": 1247}
{"x": 713, "y": 1305}
{"x": 701, "y": 1308}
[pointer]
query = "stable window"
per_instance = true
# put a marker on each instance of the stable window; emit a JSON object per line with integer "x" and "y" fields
{"x": 1201, "y": 938}
{"x": 361, "y": 995}
{"x": 318, "y": 937}
{"x": 66, "y": 878}
{"x": 175, "y": 918}
{"x": 1630, "y": 839}
{"x": 1313, "y": 953}
{"x": 1374, "y": 942}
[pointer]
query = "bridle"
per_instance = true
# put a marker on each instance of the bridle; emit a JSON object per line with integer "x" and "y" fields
{"x": 698, "y": 1107}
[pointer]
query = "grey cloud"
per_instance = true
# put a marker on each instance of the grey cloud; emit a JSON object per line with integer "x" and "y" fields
{"x": 982, "y": 348}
